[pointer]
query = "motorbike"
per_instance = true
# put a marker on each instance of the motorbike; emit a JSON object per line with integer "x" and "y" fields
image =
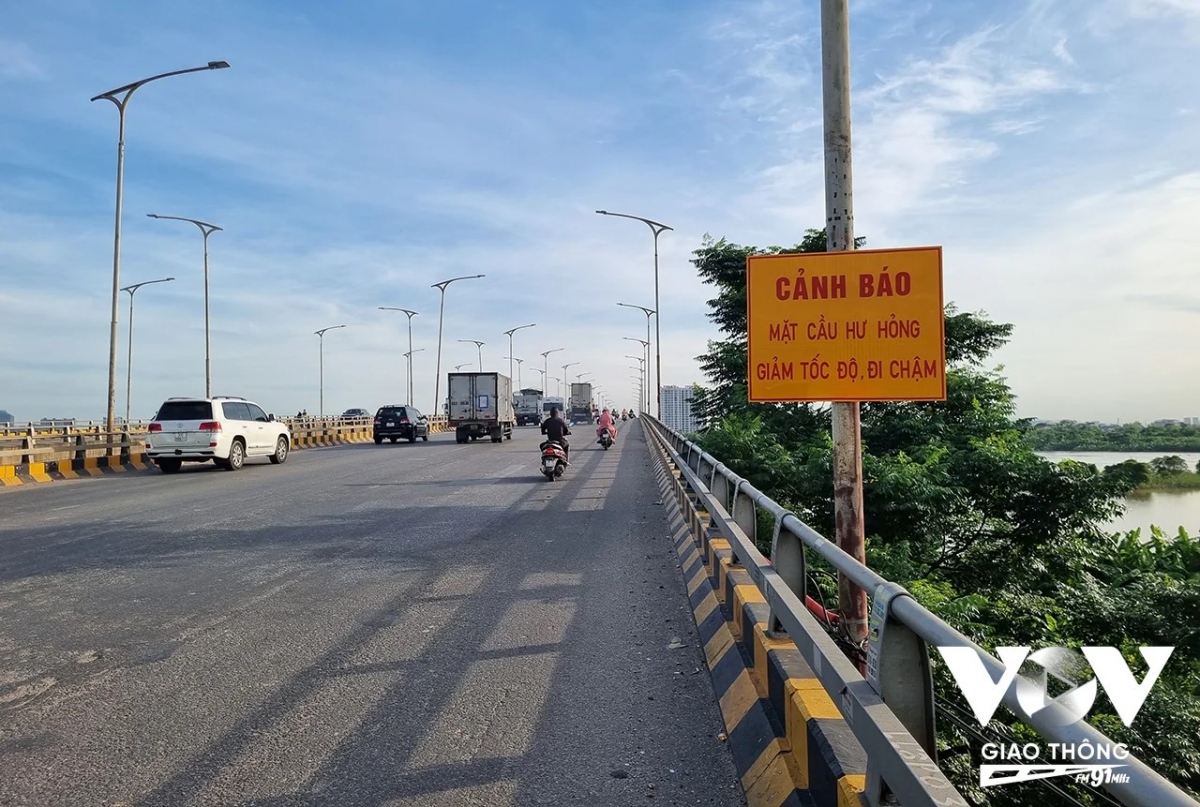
{"x": 605, "y": 438}
{"x": 554, "y": 460}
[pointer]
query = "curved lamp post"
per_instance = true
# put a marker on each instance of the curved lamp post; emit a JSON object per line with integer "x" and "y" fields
{"x": 567, "y": 380}
{"x": 120, "y": 98}
{"x": 509, "y": 334}
{"x": 321, "y": 333}
{"x": 129, "y": 358}
{"x": 458, "y": 367}
{"x": 645, "y": 343}
{"x": 518, "y": 361}
{"x": 411, "y": 314}
{"x": 546, "y": 363}
{"x": 409, "y": 356}
{"x": 207, "y": 230}
{"x": 441, "y": 286}
{"x": 478, "y": 346}
{"x": 656, "y": 228}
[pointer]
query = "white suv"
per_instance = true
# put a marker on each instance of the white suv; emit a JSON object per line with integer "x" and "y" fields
{"x": 223, "y": 429}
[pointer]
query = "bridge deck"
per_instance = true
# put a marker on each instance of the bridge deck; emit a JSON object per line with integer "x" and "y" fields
{"x": 364, "y": 625}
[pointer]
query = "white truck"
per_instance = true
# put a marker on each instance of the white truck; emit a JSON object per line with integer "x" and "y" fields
{"x": 580, "y": 404}
{"x": 553, "y": 402}
{"x": 481, "y": 405}
{"x": 528, "y": 404}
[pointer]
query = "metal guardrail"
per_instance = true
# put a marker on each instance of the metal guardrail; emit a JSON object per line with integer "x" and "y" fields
{"x": 891, "y": 711}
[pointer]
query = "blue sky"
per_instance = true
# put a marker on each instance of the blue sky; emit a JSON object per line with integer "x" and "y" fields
{"x": 357, "y": 152}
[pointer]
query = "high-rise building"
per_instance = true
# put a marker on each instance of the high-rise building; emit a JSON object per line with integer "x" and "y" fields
{"x": 677, "y": 409}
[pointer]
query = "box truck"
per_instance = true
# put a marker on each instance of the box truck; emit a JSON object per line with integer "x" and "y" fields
{"x": 581, "y": 403}
{"x": 529, "y": 407}
{"x": 481, "y": 405}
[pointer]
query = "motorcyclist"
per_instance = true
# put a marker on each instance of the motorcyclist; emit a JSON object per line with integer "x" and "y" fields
{"x": 555, "y": 429}
{"x": 606, "y": 422}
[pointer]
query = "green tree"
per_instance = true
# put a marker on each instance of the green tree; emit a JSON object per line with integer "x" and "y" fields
{"x": 1168, "y": 466}
{"x": 1002, "y": 543}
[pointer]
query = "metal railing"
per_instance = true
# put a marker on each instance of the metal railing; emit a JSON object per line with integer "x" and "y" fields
{"x": 891, "y": 710}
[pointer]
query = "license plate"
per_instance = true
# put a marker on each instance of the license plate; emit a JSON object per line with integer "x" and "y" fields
{"x": 181, "y": 437}
{"x": 391, "y": 424}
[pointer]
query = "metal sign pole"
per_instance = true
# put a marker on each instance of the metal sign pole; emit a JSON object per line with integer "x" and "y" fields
{"x": 839, "y": 234}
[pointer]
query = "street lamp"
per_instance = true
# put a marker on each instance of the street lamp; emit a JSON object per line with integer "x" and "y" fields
{"x": 546, "y": 362}
{"x": 410, "y": 314}
{"x": 558, "y": 382}
{"x": 649, "y": 312}
{"x": 478, "y": 346}
{"x": 437, "y": 406}
{"x": 645, "y": 343}
{"x": 518, "y": 361}
{"x": 567, "y": 378}
{"x": 321, "y": 333}
{"x": 509, "y": 334}
{"x": 656, "y": 228}
{"x": 409, "y": 356}
{"x": 458, "y": 367}
{"x": 581, "y": 375}
{"x": 120, "y": 98}
{"x": 129, "y": 357}
{"x": 207, "y": 229}
{"x": 543, "y": 372}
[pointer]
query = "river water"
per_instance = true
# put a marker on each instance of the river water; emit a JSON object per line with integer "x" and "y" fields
{"x": 1168, "y": 510}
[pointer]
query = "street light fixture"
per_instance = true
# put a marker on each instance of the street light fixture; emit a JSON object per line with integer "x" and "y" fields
{"x": 410, "y": 314}
{"x": 409, "y": 356}
{"x": 478, "y": 346}
{"x": 509, "y": 334}
{"x": 649, "y": 312}
{"x": 518, "y": 361}
{"x": 321, "y": 333}
{"x": 567, "y": 378}
{"x": 645, "y": 343}
{"x": 437, "y": 406}
{"x": 546, "y": 362}
{"x": 120, "y": 98}
{"x": 657, "y": 228}
{"x": 458, "y": 367}
{"x": 206, "y": 229}
{"x": 129, "y": 358}
{"x": 558, "y": 381}
{"x": 543, "y": 372}
{"x": 578, "y": 376}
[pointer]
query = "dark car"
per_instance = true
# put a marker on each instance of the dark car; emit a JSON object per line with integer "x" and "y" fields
{"x": 400, "y": 421}
{"x": 356, "y": 413}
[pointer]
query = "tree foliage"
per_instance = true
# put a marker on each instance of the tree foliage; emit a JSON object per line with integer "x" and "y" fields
{"x": 960, "y": 508}
{"x": 1069, "y": 435}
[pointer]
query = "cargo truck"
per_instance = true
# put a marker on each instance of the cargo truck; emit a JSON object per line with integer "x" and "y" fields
{"x": 529, "y": 407}
{"x": 554, "y": 402}
{"x": 581, "y": 403}
{"x": 481, "y": 405}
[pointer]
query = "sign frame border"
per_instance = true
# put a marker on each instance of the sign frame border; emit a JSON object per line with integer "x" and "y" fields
{"x": 941, "y": 326}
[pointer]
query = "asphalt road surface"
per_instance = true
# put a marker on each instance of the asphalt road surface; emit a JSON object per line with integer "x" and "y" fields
{"x": 425, "y": 624}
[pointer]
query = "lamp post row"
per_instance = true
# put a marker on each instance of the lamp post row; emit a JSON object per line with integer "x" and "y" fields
{"x": 120, "y": 97}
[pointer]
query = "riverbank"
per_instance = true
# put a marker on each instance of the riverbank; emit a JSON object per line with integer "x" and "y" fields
{"x": 1162, "y": 483}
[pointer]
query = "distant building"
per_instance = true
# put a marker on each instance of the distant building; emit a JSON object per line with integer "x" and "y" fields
{"x": 677, "y": 409}
{"x": 6, "y": 417}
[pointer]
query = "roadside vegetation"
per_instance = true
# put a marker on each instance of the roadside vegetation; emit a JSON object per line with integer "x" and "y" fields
{"x": 1006, "y": 546}
{"x": 1069, "y": 435}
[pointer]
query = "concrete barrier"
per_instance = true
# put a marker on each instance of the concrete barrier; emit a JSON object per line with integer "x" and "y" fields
{"x": 789, "y": 741}
{"x": 60, "y": 454}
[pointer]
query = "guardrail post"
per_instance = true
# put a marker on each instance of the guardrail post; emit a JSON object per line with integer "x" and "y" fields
{"x": 27, "y": 446}
{"x": 80, "y": 447}
{"x": 126, "y": 447}
{"x": 898, "y": 670}
{"x": 744, "y": 515}
{"x": 787, "y": 556}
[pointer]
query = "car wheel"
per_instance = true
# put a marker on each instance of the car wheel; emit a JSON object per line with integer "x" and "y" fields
{"x": 412, "y": 438}
{"x": 281, "y": 451}
{"x": 378, "y": 440}
{"x": 237, "y": 456}
{"x": 170, "y": 466}
{"x": 425, "y": 438}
